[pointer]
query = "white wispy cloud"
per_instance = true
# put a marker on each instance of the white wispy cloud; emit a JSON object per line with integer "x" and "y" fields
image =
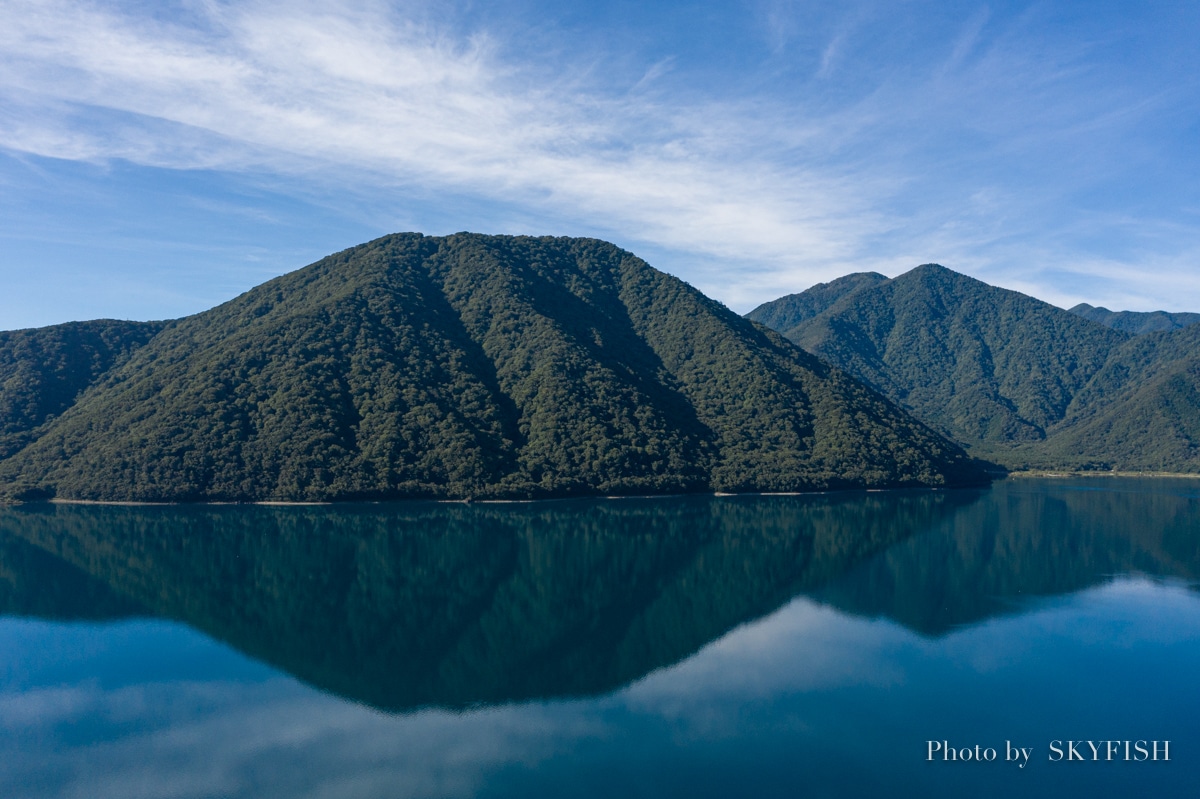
{"x": 337, "y": 87}
{"x": 784, "y": 185}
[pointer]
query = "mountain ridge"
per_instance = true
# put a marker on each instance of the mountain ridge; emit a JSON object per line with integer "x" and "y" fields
{"x": 1136, "y": 322}
{"x": 1016, "y": 380}
{"x": 789, "y": 311}
{"x": 473, "y": 366}
{"x": 947, "y": 346}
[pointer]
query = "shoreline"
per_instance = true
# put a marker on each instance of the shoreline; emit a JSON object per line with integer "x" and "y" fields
{"x": 497, "y": 501}
{"x": 1061, "y": 473}
{"x": 1015, "y": 475}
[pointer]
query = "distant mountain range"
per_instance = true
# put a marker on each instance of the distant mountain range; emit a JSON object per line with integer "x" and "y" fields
{"x": 1136, "y": 322}
{"x": 1016, "y": 380}
{"x": 456, "y": 367}
{"x": 473, "y": 366}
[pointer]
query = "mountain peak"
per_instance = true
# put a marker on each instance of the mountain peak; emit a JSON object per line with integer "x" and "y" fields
{"x": 982, "y": 363}
{"x": 941, "y": 273}
{"x": 789, "y": 311}
{"x": 473, "y": 366}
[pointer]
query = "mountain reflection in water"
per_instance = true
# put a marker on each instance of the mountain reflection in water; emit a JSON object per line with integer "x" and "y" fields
{"x": 422, "y": 604}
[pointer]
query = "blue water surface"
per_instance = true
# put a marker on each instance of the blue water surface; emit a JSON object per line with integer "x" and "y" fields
{"x": 1033, "y": 613}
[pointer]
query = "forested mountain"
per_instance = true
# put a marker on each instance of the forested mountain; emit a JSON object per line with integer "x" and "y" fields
{"x": 1136, "y": 322}
{"x": 980, "y": 362}
{"x": 1015, "y": 379}
{"x": 44, "y": 370}
{"x": 1141, "y": 412}
{"x": 785, "y": 313}
{"x": 473, "y": 366}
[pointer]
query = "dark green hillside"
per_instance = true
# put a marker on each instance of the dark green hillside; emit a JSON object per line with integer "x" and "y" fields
{"x": 982, "y": 363}
{"x": 473, "y": 366}
{"x": 1141, "y": 412}
{"x": 786, "y": 312}
{"x": 44, "y": 370}
{"x": 1136, "y": 322}
{"x": 1020, "y": 382}
{"x": 1137, "y": 363}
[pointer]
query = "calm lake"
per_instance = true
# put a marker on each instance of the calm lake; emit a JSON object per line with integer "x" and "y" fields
{"x": 681, "y": 647}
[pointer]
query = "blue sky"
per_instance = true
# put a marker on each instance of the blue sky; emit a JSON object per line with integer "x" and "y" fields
{"x": 157, "y": 158}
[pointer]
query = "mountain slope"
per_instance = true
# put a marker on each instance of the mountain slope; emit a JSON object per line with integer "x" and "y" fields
{"x": 787, "y": 312}
{"x": 473, "y": 366}
{"x": 44, "y": 370}
{"x": 1141, "y": 412}
{"x": 982, "y": 363}
{"x": 1136, "y": 322}
{"x": 1017, "y": 380}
